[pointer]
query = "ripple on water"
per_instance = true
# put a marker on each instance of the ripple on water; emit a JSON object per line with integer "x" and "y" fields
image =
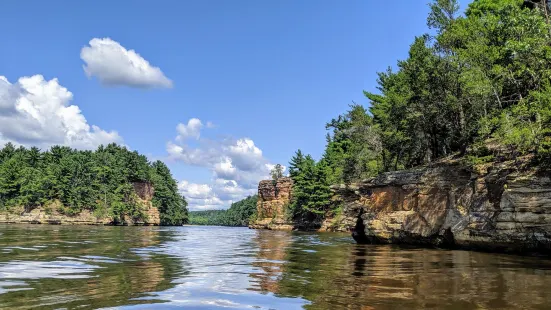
{"x": 39, "y": 270}
{"x": 236, "y": 268}
{"x": 12, "y": 286}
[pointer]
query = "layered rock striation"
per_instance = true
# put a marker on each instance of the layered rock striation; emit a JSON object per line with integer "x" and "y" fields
{"x": 499, "y": 206}
{"x": 50, "y": 214}
{"x": 273, "y": 199}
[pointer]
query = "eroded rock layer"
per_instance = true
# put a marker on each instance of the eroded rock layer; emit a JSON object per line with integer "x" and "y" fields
{"x": 499, "y": 207}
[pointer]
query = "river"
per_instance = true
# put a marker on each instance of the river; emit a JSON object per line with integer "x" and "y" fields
{"x": 193, "y": 267}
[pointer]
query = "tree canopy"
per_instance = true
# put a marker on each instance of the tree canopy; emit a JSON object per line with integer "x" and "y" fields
{"x": 100, "y": 181}
{"x": 476, "y": 80}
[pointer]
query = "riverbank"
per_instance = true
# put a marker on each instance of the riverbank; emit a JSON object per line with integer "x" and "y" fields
{"x": 50, "y": 214}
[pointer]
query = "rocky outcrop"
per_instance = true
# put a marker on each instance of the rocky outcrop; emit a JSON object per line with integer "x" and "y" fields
{"x": 51, "y": 213}
{"x": 273, "y": 199}
{"x": 500, "y": 206}
{"x": 151, "y": 215}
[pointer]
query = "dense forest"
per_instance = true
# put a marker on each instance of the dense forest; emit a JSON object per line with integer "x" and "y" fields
{"x": 239, "y": 214}
{"x": 100, "y": 181}
{"x": 477, "y": 87}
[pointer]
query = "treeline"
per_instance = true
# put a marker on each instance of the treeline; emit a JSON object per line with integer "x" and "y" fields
{"x": 239, "y": 214}
{"x": 477, "y": 87}
{"x": 100, "y": 181}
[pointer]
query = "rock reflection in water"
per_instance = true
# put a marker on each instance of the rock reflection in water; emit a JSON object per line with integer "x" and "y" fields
{"x": 271, "y": 259}
{"x": 388, "y": 277}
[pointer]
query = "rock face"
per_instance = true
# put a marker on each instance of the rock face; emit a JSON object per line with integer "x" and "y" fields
{"x": 49, "y": 214}
{"x": 145, "y": 193}
{"x": 500, "y": 207}
{"x": 273, "y": 199}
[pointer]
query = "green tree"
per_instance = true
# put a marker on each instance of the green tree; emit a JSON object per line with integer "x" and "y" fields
{"x": 240, "y": 213}
{"x": 277, "y": 172}
{"x": 311, "y": 193}
{"x": 172, "y": 206}
{"x": 100, "y": 181}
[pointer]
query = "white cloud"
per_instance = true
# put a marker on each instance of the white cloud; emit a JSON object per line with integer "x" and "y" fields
{"x": 34, "y": 111}
{"x": 196, "y": 191}
{"x": 225, "y": 169}
{"x": 200, "y": 196}
{"x": 218, "y": 195}
{"x": 230, "y": 190}
{"x": 114, "y": 65}
{"x": 237, "y": 166}
{"x": 191, "y": 130}
{"x": 245, "y": 155}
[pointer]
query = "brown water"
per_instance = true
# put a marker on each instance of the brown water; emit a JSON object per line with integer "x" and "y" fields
{"x": 62, "y": 267}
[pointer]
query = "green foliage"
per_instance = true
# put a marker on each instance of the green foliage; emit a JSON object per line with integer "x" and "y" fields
{"x": 311, "y": 194}
{"x": 172, "y": 206}
{"x": 353, "y": 147}
{"x": 240, "y": 213}
{"x": 100, "y": 181}
{"x": 484, "y": 77}
{"x": 277, "y": 172}
{"x": 472, "y": 160}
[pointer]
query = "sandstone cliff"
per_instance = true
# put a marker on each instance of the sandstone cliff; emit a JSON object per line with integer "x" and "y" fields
{"x": 500, "y": 206}
{"x": 50, "y": 214}
{"x": 273, "y": 199}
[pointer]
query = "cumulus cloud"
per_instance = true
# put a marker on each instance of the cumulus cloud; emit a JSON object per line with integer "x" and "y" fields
{"x": 217, "y": 195}
{"x": 114, "y": 65}
{"x": 237, "y": 165}
{"x": 34, "y": 111}
{"x": 200, "y": 196}
{"x": 190, "y": 130}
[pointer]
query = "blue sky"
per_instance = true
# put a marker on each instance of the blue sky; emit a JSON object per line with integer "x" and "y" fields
{"x": 263, "y": 77}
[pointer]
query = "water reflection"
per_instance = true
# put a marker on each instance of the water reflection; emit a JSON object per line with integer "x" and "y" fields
{"x": 386, "y": 277}
{"x": 214, "y": 267}
{"x": 80, "y": 266}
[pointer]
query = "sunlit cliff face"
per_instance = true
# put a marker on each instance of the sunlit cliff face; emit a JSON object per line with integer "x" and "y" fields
{"x": 273, "y": 200}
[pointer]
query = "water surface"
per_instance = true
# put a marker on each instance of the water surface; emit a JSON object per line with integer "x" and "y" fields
{"x": 83, "y": 267}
